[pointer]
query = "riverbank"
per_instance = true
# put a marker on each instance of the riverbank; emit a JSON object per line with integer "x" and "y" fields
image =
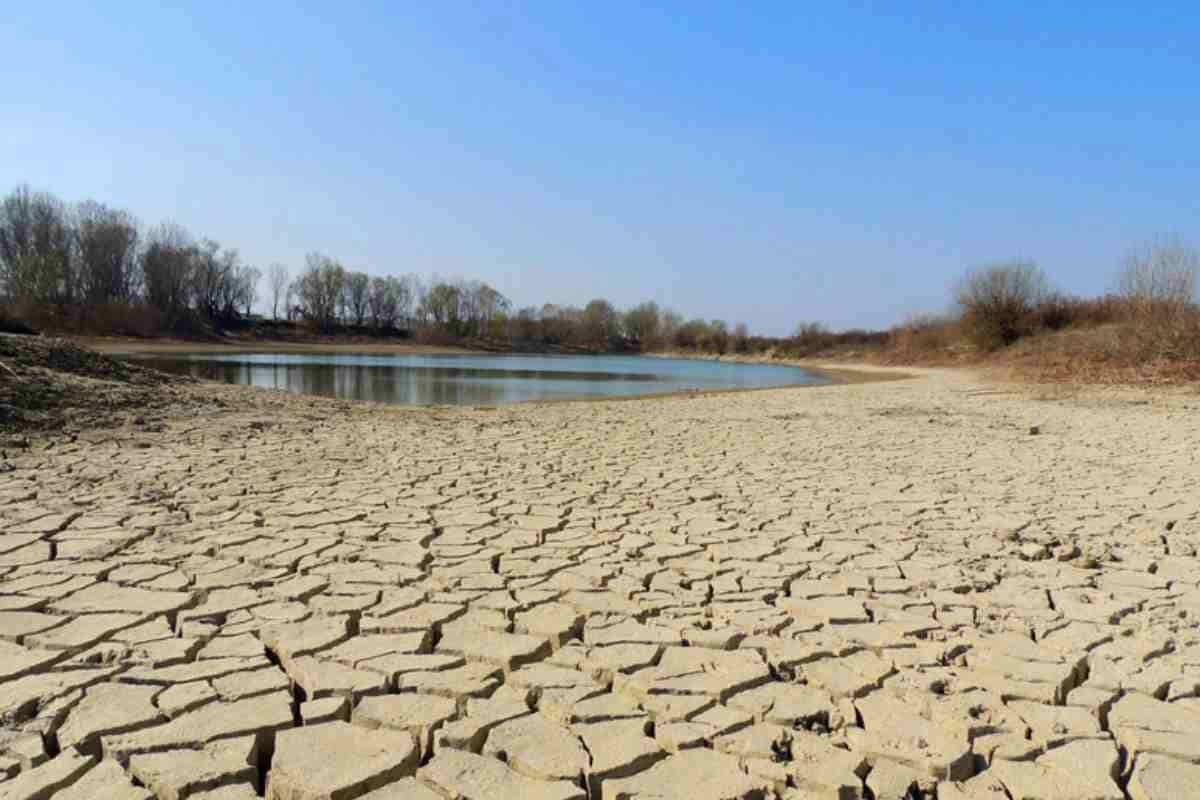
{"x": 913, "y": 583}
{"x": 123, "y": 346}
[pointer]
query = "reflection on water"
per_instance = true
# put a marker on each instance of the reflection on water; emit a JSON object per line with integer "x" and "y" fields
{"x": 473, "y": 380}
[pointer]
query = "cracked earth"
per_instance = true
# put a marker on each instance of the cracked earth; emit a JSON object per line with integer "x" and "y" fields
{"x": 927, "y": 588}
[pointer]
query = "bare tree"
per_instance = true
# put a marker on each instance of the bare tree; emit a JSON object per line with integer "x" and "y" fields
{"x": 642, "y": 323}
{"x": 357, "y": 291}
{"x": 167, "y": 264}
{"x": 36, "y": 247}
{"x": 718, "y": 336}
{"x": 1158, "y": 284}
{"x": 319, "y": 289}
{"x": 247, "y": 285}
{"x": 600, "y": 324}
{"x": 741, "y": 338}
{"x": 277, "y": 280}
{"x": 669, "y": 324}
{"x": 1160, "y": 275}
{"x": 107, "y": 248}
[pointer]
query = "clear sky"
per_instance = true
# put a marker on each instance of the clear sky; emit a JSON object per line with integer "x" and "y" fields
{"x": 765, "y": 162}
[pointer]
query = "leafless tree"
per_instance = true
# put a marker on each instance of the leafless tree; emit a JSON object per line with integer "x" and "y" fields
{"x": 600, "y": 324}
{"x": 741, "y": 338}
{"x": 106, "y": 242}
{"x": 1160, "y": 275}
{"x": 247, "y": 284}
{"x": 1158, "y": 285}
{"x": 277, "y": 280}
{"x": 642, "y": 324}
{"x": 319, "y": 289}
{"x": 36, "y": 247}
{"x": 167, "y": 264}
{"x": 357, "y": 292}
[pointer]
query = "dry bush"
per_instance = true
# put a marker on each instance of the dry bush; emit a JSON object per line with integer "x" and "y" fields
{"x": 923, "y": 336}
{"x": 998, "y": 302}
{"x": 1158, "y": 286}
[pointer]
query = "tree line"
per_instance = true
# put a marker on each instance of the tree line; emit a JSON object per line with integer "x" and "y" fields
{"x": 89, "y": 261}
{"x": 55, "y": 255}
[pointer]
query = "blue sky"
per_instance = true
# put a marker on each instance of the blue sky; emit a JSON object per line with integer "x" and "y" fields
{"x": 764, "y": 162}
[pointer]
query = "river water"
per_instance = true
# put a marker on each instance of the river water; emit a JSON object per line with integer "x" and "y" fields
{"x": 474, "y": 379}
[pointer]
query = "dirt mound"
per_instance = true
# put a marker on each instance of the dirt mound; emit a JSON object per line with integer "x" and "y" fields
{"x": 50, "y": 383}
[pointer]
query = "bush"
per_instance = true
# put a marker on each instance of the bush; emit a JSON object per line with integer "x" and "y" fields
{"x": 1157, "y": 285}
{"x": 998, "y": 302}
{"x": 922, "y": 335}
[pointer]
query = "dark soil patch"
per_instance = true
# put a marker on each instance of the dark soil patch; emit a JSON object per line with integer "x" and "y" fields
{"x": 52, "y": 384}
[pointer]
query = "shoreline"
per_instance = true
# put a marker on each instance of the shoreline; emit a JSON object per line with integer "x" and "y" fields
{"x": 829, "y": 375}
{"x": 854, "y": 373}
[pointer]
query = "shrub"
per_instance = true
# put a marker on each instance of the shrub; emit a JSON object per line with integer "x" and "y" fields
{"x": 1157, "y": 285}
{"x": 998, "y": 301}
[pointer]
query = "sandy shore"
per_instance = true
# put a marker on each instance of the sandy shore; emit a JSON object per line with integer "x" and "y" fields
{"x": 940, "y": 582}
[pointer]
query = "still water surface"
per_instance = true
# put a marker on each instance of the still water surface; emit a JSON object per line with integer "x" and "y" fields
{"x": 474, "y": 379}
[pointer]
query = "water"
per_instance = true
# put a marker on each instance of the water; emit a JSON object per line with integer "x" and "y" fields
{"x": 474, "y": 379}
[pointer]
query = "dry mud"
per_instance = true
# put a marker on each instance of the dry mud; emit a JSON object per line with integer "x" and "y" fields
{"x": 888, "y": 590}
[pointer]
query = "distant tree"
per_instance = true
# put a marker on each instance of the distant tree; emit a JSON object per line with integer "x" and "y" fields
{"x": 741, "y": 338}
{"x": 215, "y": 289}
{"x": 36, "y": 247}
{"x": 320, "y": 289}
{"x": 248, "y": 279}
{"x": 357, "y": 292}
{"x": 106, "y": 242}
{"x": 527, "y": 325}
{"x": 1159, "y": 276}
{"x": 386, "y": 300}
{"x": 668, "y": 327}
{"x": 487, "y": 305}
{"x": 643, "y": 323}
{"x": 600, "y": 324}
{"x": 442, "y": 305}
{"x": 692, "y": 335}
{"x": 718, "y": 337}
{"x": 277, "y": 280}
{"x": 167, "y": 264}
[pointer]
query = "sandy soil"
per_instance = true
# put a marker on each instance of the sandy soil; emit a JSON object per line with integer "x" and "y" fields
{"x": 940, "y": 585}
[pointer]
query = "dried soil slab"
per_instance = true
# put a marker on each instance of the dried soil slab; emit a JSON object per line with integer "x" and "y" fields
{"x": 335, "y": 759}
{"x": 102, "y": 598}
{"x": 460, "y": 775}
{"x": 687, "y": 776}
{"x": 184, "y": 773}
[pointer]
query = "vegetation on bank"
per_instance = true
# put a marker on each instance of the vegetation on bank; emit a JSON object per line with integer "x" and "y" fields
{"x": 90, "y": 269}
